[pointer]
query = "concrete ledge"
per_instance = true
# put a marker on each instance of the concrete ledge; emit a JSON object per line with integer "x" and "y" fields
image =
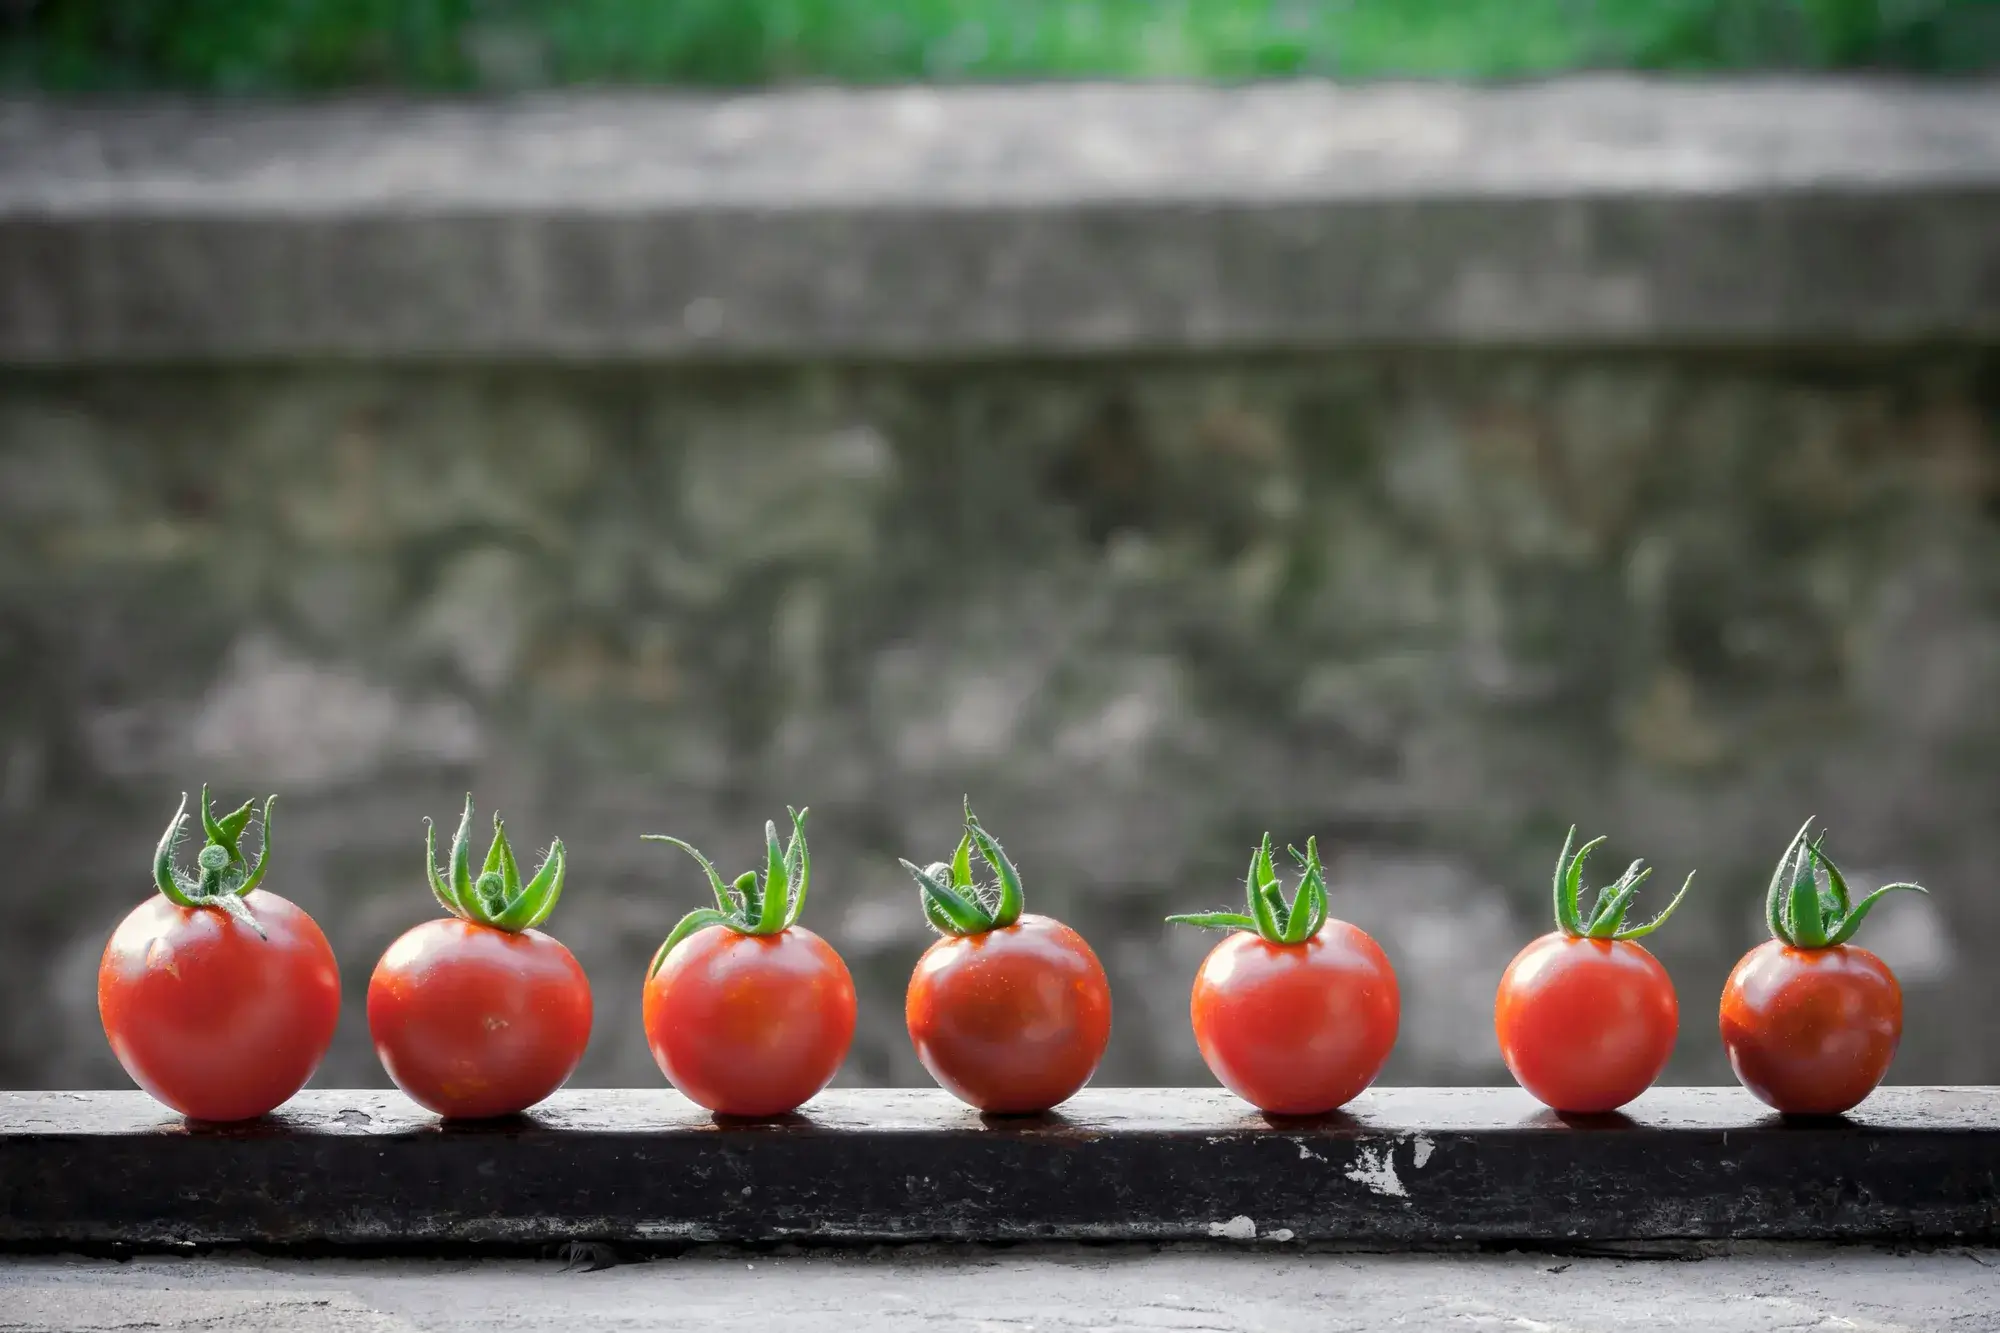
{"x": 1409, "y": 1166}
{"x": 916, "y": 223}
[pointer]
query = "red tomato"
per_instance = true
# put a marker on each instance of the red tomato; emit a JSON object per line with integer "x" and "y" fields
{"x": 474, "y": 1021}
{"x": 1013, "y": 1020}
{"x": 1585, "y": 1025}
{"x": 750, "y": 1025}
{"x": 1297, "y": 1029}
{"x": 1811, "y": 1031}
{"x": 212, "y": 1020}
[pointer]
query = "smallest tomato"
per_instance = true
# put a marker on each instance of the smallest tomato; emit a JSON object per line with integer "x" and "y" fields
{"x": 1294, "y": 1013}
{"x": 479, "y": 1014}
{"x": 1585, "y": 1015}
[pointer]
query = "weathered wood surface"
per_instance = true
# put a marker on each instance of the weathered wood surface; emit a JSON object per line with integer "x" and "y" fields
{"x": 1405, "y": 1166}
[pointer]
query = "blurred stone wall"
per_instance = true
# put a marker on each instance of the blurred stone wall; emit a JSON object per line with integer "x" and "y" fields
{"x": 1431, "y": 608}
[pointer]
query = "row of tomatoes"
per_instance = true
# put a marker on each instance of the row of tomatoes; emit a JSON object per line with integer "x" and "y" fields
{"x": 220, "y": 998}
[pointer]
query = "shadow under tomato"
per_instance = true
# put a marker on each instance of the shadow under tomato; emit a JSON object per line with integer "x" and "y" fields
{"x": 1586, "y": 1120}
{"x": 1336, "y": 1121}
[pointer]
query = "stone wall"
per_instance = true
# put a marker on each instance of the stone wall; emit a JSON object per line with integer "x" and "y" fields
{"x": 1429, "y": 606}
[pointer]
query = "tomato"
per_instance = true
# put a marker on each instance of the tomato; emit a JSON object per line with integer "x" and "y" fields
{"x": 1810, "y": 1021}
{"x": 747, "y": 1012}
{"x": 218, "y": 997}
{"x": 212, "y": 1020}
{"x": 1295, "y": 1013}
{"x": 1013, "y": 1020}
{"x": 1296, "y": 1029}
{"x": 1586, "y": 1017}
{"x": 479, "y": 1014}
{"x": 474, "y": 1021}
{"x": 1010, "y": 1013}
{"x": 1811, "y": 1031}
{"x": 1585, "y": 1025}
{"x": 750, "y": 1025}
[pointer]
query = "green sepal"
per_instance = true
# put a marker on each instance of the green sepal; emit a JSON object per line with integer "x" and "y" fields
{"x": 1007, "y": 910}
{"x": 723, "y": 902}
{"x": 256, "y": 872}
{"x": 1606, "y": 919}
{"x": 1804, "y": 915}
{"x": 165, "y": 874}
{"x": 947, "y": 909}
{"x": 777, "y": 884}
{"x": 798, "y": 866}
{"x": 701, "y": 918}
{"x": 753, "y": 905}
{"x": 225, "y": 878}
{"x": 1259, "y": 891}
{"x": 1267, "y": 915}
{"x": 532, "y": 902}
{"x": 1214, "y": 921}
{"x": 497, "y": 897}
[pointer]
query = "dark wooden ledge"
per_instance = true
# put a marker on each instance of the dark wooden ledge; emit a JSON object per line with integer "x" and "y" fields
{"x": 1407, "y": 1166}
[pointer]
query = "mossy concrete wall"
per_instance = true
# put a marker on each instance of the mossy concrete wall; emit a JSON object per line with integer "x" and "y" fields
{"x": 1429, "y": 606}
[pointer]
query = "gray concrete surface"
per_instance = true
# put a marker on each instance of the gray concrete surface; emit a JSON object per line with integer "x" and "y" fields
{"x": 1755, "y": 1290}
{"x": 927, "y": 223}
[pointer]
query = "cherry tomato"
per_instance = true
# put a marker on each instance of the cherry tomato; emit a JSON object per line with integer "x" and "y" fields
{"x": 750, "y": 1025}
{"x": 1811, "y": 1031}
{"x": 1014, "y": 1020}
{"x": 211, "y": 1019}
{"x": 1009, "y": 1012}
{"x": 1810, "y": 1021}
{"x": 1296, "y": 1029}
{"x": 747, "y": 1012}
{"x": 1585, "y": 1025}
{"x": 219, "y": 998}
{"x": 474, "y": 1021}
{"x": 479, "y": 1014}
{"x": 1586, "y": 1017}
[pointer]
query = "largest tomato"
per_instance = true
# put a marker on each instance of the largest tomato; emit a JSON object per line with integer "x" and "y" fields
{"x": 1586, "y": 1016}
{"x": 1294, "y": 1012}
{"x": 1810, "y": 1021}
{"x": 219, "y": 997}
{"x": 747, "y": 1012}
{"x": 479, "y": 1014}
{"x": 1010, "y": 1012}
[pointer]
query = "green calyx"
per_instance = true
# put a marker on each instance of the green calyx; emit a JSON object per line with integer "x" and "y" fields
{"x": 1274, "y": 920}
{"x": 1808, "y": 906}
{"x": 755, "y": 904}
{"x": 954, "y": 903}
{"x": 497, "y": 897}
{"x": 225, "y": 878}
{"x": 1606, "y": 920}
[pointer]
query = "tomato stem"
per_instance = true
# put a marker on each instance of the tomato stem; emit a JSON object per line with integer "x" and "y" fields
{"x": 753, "y": 905}
{"x": 497, "y": 897}
{"x": 1268, "y": 915}
{"x": 953, "y": 902}
{"x": 1808, "y": 905}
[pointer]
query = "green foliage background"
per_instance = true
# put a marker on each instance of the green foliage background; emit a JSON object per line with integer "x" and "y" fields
{"x": 466, "y": 45}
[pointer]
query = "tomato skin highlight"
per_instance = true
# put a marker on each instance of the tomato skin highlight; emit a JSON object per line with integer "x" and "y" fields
{"x": 1811, "y": 1031}
{"x": 750, "y": 1025}
{"x": 472, "y": 1021}
{"x": 1585, "y": 1025}
{"x": 1297, "y": 1029}
{"x": 208, "y": 1018}
{"x": 1012, "y": 1021}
